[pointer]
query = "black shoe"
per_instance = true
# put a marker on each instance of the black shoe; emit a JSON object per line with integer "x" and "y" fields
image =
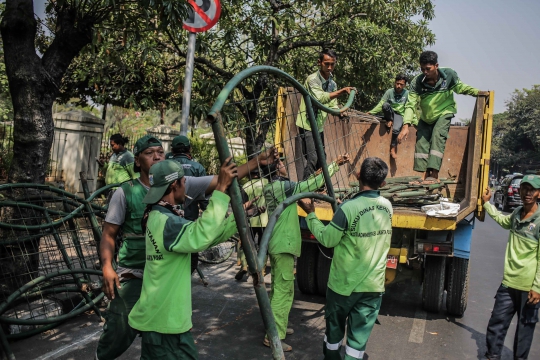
{"x": 240, "y": 274}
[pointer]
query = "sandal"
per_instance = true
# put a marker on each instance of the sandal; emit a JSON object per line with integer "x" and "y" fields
{"x": 284, "y": 346}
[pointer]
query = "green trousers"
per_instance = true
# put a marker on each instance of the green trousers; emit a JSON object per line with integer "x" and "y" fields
{"x": 359, "y": 311}
{"x": 117, "y": 334}
{"x": 282, "y": 290}
{"x": 430, "y": 143}
{"x": 168, "y": 346}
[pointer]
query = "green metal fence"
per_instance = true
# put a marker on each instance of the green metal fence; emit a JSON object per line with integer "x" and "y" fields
{"x": 49, "y": 258}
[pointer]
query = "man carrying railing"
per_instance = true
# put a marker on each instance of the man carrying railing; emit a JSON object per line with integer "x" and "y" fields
{"x": 286, "y": 243}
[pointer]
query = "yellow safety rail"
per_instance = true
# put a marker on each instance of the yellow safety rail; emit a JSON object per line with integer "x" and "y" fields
{"x": 486, "y": 151}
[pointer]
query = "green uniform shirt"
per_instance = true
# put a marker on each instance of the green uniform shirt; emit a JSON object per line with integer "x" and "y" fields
{"x": 165, "y": 302}
{"x": 435, "y": 101}
{"x": 522, "y": 258}
{"x": 120, "y": 168}
{"x": 286, "y": 237}
{"x": 396, "y": 101}
{"x": 254, "y": 188}
{"x": 316, "y": 86}
{"x": 360, "y": 233}
{"x": 131, "y": 253}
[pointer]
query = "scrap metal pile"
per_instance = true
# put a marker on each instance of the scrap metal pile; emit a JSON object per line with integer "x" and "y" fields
{"x": 406, "y": 191}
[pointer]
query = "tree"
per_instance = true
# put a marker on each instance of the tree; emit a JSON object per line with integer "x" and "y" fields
{"x": 374, "y": 40}
{"x": 35, "y": 76}
{"x": 516, "y": 136}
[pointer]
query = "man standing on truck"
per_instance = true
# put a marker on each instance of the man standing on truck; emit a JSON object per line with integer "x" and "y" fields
{"x": 321, "y": 86}
{"x": 286, "y": 242}
{"x": 392, "y": 106}
{"x": 360, "y": 233}
{"x": 434, "y": 91}
{"x": 520, "y": 289}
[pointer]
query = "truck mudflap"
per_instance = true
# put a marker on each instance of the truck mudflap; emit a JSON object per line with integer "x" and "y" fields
{"x": 462, "y": 238}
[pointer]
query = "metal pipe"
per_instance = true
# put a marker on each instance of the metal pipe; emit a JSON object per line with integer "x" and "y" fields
{"x": 247, "y": 244}
{"x": 186, "y": 96}
{"x": 238, "y": 78}
{"x": 320, "y": 149}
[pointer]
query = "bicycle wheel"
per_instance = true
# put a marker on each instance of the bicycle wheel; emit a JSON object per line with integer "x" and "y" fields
{"x": 219, "y": 253}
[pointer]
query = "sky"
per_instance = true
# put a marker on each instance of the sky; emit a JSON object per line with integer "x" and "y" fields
{"x": 491, "y": 44}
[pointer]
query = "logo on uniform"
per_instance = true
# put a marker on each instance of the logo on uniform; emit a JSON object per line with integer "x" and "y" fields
{"x": 151, "y": 179}
{"x": 531, "y": 227}
{"x": 443, "y": 85}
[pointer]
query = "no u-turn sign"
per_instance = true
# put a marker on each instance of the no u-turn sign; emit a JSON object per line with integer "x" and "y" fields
{"x": 203, "y": 14}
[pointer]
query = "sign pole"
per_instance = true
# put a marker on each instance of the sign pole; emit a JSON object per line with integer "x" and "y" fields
{"x": 186, "y": 96}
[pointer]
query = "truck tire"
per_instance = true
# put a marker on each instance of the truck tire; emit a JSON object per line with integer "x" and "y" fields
{"x": 458, "y": 287}
{"x": 306, "y": 268}
{"x": 433, "y": 284}
{"x": 323, "y": 272}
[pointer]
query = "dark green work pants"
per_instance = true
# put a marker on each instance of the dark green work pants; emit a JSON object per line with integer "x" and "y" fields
{"x": 430, "y": 143}
{"x": 360, "y": 311}
{"x": 168, "y": 346}
{"x": 117, "y": 334}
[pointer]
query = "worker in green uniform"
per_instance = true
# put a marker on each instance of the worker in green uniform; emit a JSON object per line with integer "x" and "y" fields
{"x": 163, "y": 312}
{"x": 122, "y": 285}
{"x": 360, "y": 233}
{"x": 286, "y": 242}
{"x": 120, "y": 167}
{"x": 434, "y": 91}
{"x": 520, "y": 289}
{"x": 253, "y": 190}
{"x": 392, "y": 105}
{"x": 321, "y": 86}
{"x": 181, "y": 153}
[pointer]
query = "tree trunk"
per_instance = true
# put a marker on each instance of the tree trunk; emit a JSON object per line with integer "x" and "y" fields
{"x": 34, "y": 84}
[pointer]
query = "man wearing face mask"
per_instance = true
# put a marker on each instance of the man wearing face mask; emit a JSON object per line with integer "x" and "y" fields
{"x": 433, "y": 91}
{"x": 321, "y": 86}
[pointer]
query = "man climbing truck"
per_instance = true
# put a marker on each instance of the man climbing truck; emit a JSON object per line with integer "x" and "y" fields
{"x": 439, "y": 247}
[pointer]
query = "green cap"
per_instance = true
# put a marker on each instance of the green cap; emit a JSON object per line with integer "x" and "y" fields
{"x": 534, "y": 180}
{"x": 180, "y": 140}
{"x": 144, "y": 143}
{"x": 161, "y": 175}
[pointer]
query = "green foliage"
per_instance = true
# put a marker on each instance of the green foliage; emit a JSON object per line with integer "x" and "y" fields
{"x": 516, "y": 134}
{"x": 205, "y": 153}
{"x": 374, "y": 40}
{"x": 6, "y": 106}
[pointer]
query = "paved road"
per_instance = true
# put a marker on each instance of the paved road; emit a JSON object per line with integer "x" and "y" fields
{"x": 227, "y": 323}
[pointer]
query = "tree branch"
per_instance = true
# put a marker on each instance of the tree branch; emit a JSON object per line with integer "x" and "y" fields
{"x": 308, "y": 43}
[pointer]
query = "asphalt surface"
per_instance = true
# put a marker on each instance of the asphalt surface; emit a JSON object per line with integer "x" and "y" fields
{"x": 227, "y": 323}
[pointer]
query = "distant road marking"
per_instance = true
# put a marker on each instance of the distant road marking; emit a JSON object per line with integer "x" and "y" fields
{"x": 71, "y": 347}
{"x": 418, "y": 327}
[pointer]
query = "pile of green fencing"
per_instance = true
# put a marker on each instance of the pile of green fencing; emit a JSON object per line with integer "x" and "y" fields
{"x": 406, "y": 191}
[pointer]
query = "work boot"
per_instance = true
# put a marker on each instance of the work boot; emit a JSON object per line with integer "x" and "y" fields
{"x": 286, "y": 347}
{"x": 240, "y": 274}
{"x": 393, "y": 152}
{"x": 289, "y": 331}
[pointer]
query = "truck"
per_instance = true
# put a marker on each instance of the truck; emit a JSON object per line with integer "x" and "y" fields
{"x": 438, "y": 247}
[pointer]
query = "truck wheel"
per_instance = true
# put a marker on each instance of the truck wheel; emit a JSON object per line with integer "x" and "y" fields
{"x": 458, "y": 286}
{"x": 323, "y": 272}
{"x": 433, "y": 286}
{"x": 306, "y": 268}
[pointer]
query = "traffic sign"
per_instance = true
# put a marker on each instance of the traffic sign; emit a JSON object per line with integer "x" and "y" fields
{"x": 203, "y": 15}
